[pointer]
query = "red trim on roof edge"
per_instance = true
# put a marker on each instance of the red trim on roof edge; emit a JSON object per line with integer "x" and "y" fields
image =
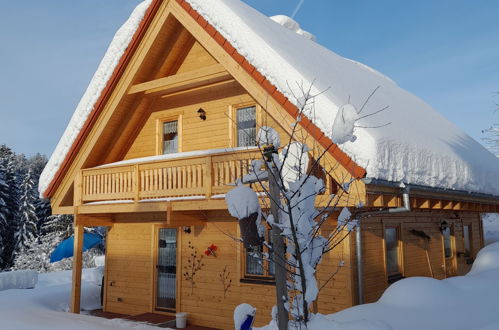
{"x": 343, "y": 158}
{"x": 99, "y": 105}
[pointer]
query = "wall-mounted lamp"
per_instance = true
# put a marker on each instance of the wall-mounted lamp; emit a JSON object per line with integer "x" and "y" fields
{"x": 443, "y": 226}
{"x": 202, "y": 114}
{"x": 187, "y": 230}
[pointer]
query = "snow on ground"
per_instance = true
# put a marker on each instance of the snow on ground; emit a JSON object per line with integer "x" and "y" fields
{"x": 458, "y": 303}
{"x": 46, "y": 306}
{"x": 19, "y": 279}
{"x": 490, "y": 228}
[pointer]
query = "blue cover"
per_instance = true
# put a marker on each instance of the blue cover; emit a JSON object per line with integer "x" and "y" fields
{"x": 247, "y": 323}
{"x": 65, "y": 248}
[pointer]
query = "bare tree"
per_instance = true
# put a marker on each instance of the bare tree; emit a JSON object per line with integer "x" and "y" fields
{"x": 292, "y": 179}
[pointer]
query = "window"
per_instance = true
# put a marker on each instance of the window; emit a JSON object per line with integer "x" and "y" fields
{"x": 392, "y": 251}
{"x": 447, "y": 233}
{"x": 258, "y": 264}
{"x": 467, "y": 241}
{"x": 246, "y": 126}
{"x": 170, "y": 137}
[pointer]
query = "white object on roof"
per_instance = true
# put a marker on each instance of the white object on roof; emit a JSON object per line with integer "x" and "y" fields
{"x": 292, "y": 25}
{"x": 419, "y": 146}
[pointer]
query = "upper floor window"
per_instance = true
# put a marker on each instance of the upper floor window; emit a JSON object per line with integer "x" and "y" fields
{"x": 170, "y": 137}
{"x": 392, "y": 253}
{"x": 246, "y": 126}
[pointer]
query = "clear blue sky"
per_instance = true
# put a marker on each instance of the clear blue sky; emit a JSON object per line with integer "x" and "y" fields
{"x": 445, "y": 51}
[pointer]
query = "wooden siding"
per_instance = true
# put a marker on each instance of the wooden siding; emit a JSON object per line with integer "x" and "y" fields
{"x": 217, "y": 131}
{"x": 414, "y": 261}
{"x": 130, "y": 266}
{"x": 197, "y": 58}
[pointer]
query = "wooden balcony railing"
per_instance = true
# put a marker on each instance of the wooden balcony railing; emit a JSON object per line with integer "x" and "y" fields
{"x": 178, "y": 178}
{"x": 186, "y": 177}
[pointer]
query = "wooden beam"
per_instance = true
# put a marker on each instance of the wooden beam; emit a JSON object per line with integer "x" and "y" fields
{"x": 77, "y": 265}
{"x": 183, "y": 81}
{"x": 181, "y": 219}
{"x": 93, "y": 220}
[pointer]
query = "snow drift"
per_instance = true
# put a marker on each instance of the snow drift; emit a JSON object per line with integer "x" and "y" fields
{"x": 19, "y": 279}
{"x": 457, "y": 303}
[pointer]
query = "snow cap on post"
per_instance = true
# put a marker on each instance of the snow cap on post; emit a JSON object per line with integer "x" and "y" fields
{"x": 242, "y": 201}
{"x": 243, "y": 204}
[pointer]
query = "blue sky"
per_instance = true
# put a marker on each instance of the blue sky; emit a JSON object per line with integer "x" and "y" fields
{"x": 446, "y": 52}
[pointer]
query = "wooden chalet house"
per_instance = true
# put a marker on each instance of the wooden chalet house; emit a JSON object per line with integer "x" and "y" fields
{"x": 167, "y": 122}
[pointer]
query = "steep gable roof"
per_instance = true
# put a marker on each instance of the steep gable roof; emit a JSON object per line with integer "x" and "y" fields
{"x": 419, "y": 146}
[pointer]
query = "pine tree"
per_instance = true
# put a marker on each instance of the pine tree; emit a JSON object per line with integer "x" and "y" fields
{"x": 27, "y": 220}
{"x": 3, "y": 213}
{"x": 11, "y": 197}
{"x": 37, "y": 254}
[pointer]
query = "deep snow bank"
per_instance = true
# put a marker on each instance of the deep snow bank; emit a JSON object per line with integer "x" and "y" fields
{"x": 45, "y": 307}
{"x": 458, "y": 303}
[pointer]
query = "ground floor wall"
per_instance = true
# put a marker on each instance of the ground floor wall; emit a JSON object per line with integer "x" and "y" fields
{"x": 418, "y": 255}
{"x": 208, "y": 300}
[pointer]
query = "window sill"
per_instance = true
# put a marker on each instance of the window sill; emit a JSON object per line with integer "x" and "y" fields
{"x": 394, "y": 278}
{"x": 263, "y": 281}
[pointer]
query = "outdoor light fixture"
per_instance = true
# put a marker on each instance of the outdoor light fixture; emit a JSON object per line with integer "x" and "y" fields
{"x": 187, "y": 230}
{"x": 443, "y": 226}
{"x": 202, "y": 114}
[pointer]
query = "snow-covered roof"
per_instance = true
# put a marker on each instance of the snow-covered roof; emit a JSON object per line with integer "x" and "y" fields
{"x": 418, "y": 146}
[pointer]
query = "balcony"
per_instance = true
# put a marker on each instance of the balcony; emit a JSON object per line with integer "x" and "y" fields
{"x": 188, "y": 181}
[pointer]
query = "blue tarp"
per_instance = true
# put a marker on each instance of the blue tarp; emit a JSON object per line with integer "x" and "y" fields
{"x": 65, "y": 248}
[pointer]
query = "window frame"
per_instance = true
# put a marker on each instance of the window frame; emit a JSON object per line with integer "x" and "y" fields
{"x": 395, "y": 276}
{"x": 233, "y": 130}
{"x": 266, "y": 277}
{"x": 160, "y": 132}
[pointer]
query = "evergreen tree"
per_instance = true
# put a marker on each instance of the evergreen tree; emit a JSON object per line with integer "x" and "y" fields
{"x": 37, "y": 254}
{"x": 11, "y": 197}
{"x": 27, "y": 220}
{"x": 3, "y": 213}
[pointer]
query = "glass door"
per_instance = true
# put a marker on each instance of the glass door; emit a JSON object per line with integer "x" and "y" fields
{"x": 166, "y": 270}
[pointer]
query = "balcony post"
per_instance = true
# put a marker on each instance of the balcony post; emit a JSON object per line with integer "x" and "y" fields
{"x": 136, "y": 183}
{"x": 208, "y": 178}
{"x": 78, "y": 189}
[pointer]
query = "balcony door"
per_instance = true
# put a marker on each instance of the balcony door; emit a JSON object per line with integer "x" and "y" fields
{"x": 166, "y": 270}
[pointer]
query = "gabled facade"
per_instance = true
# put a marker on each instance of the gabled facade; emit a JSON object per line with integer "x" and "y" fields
{"x": 173, "y": 125}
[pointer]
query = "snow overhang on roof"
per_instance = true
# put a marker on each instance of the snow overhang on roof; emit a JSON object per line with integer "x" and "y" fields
{"x": 417, "y": 145}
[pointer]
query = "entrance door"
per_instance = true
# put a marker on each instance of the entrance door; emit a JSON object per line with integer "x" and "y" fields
{"x": 166, "y": 285}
